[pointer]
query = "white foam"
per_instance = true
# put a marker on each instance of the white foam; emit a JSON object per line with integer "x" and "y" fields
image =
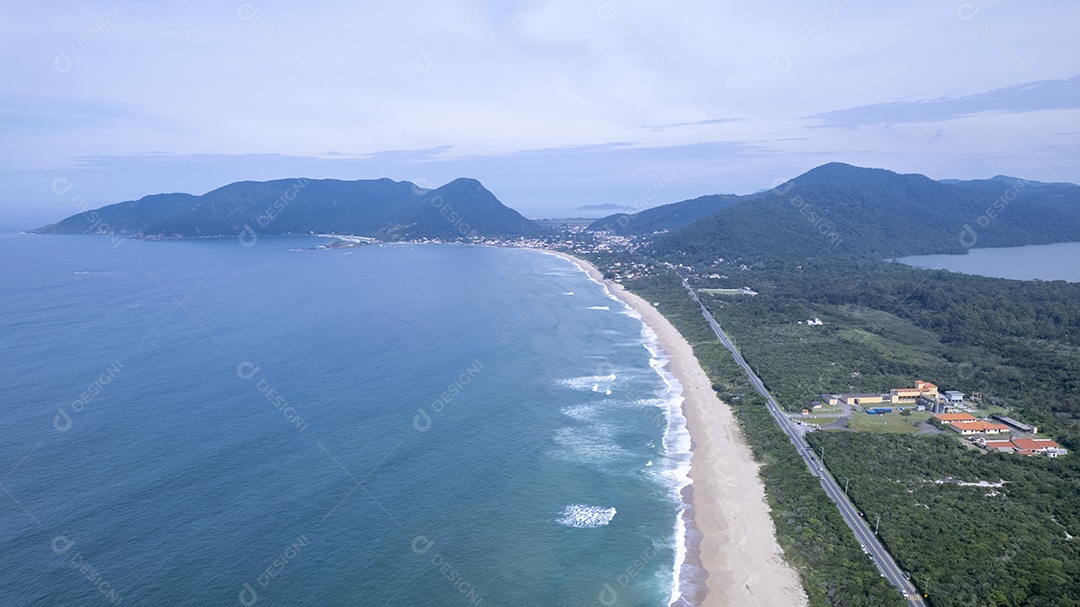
{"x": 582, "y": 413}
{"x": 588, "y": 382}
{"x": 676, "y": 447}
{"x": 676, "y": 437}
{"x": 583, "y": 516}
{"x": 592, "y": 444}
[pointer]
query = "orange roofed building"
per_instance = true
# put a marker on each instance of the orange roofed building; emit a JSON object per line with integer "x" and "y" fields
{"x": 952, "y": 418}
{"x": 1026, "y": 446}
{"x": 1034, "y": 444}
{"x": 899, "y": 396}
{"x": 978, "y": 427}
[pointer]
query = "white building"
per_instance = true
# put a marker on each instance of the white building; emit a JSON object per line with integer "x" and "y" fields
{"x": 954, "y": 398}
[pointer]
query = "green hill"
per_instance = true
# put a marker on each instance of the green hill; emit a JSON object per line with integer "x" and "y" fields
{"x": 666, "y": 217}
{"x": 378, "y": 208}
{"x": 839, "y": 210}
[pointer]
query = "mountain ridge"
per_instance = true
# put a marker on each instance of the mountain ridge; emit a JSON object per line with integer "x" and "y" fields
{"x": 845, "y": 211}
{"x": 379, "y": 208}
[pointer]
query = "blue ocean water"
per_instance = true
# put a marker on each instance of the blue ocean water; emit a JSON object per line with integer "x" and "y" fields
{"x": 197, "y": 422}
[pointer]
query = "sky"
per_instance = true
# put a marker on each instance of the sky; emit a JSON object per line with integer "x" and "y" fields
{"x": 552, "y": 105}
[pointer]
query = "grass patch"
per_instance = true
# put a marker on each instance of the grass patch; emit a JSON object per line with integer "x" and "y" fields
{"x": 891, "y": 423}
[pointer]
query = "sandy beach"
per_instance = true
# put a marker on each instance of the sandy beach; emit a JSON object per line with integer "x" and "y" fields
{"x": 738, "y": 547}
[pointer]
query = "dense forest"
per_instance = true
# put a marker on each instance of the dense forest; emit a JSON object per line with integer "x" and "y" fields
{"x": 885, "y": 325}
{"x": 973, "y": 529}
{"x": 1015, "y": 342}
{"x": 838, "y": 211}
{"x": 810, "y": 529}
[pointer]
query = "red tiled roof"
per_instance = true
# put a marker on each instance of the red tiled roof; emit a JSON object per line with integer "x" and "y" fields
{"x": 955, "y": 417}
{"x": 980, "y": 426}
{"x": 1034, "y": 444}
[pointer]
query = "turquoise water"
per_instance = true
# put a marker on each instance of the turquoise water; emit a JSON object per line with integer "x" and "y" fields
{"x": 196, "y": 422}
{"x": 1059, "y": 261}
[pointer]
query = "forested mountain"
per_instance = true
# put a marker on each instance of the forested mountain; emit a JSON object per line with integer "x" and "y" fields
{"x": 378, "y": 208}
{"x": 839, "y": 210}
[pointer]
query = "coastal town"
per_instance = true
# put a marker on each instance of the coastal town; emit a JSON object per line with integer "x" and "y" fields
{"x": 929, "y": 410}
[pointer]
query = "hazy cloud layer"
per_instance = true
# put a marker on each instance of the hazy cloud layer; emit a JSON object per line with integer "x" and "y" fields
{"x": 1045, "y": 95}
{"x": 553, "y": 104}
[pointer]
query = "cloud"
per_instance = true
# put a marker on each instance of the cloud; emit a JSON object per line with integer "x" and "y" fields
{"x": 1036, "y": 96}
{"x": 664, "y": 127}
{"x": 548, "y": 102}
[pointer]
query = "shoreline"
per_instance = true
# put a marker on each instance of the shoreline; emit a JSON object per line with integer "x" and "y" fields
{"x": 730, "y": 534}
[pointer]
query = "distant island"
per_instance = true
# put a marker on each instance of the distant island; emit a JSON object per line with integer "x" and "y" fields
{"x": 607, "y": 206}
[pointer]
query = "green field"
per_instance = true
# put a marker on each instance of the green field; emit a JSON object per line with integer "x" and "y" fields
{"x": 892, "y": 423}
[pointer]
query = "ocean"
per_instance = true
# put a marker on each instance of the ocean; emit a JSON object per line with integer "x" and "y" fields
{"x": 196, "y": 422}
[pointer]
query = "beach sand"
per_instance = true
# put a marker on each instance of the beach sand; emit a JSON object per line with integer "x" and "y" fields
{"x": 738, "y": 547}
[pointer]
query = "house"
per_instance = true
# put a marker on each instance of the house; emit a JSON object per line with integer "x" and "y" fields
{"x": 908, "y": 395}
{"x": 952, "y": 418}
{"x": 1026, "y": 446}
{"x": 954, "y": 398}
{"x": 815, "y": 322}
{"x": 926, "y": 386}
{"x": 829, "y": 399}
{"x": 1035, "y": 445}
{"x": 978, "y": 427}
{"x": 806, "y": 412}
{"x": 861, "y": 399}
{"x": 1002, "y": 446}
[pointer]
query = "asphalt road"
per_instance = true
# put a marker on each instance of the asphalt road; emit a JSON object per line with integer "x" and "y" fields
{"x": 884, "y": 561}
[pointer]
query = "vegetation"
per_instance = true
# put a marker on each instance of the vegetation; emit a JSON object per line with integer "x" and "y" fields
{"x": 887, "y": 325}
{"x": 378, "y": 208}
{"x": 839, "y": 211}
{"x": 1017, "y": 343}
{"x": 984, "y": 543}
{"x": 815, "y": 538}
{"x": 973, "y": 528}
{"x": 666, "y": 217}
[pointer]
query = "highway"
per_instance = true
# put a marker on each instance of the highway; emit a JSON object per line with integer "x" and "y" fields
{"x": 884, "y": 561}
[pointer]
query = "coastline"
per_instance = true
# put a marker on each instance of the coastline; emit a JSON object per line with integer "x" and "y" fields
{"x": 734, "y": 540}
